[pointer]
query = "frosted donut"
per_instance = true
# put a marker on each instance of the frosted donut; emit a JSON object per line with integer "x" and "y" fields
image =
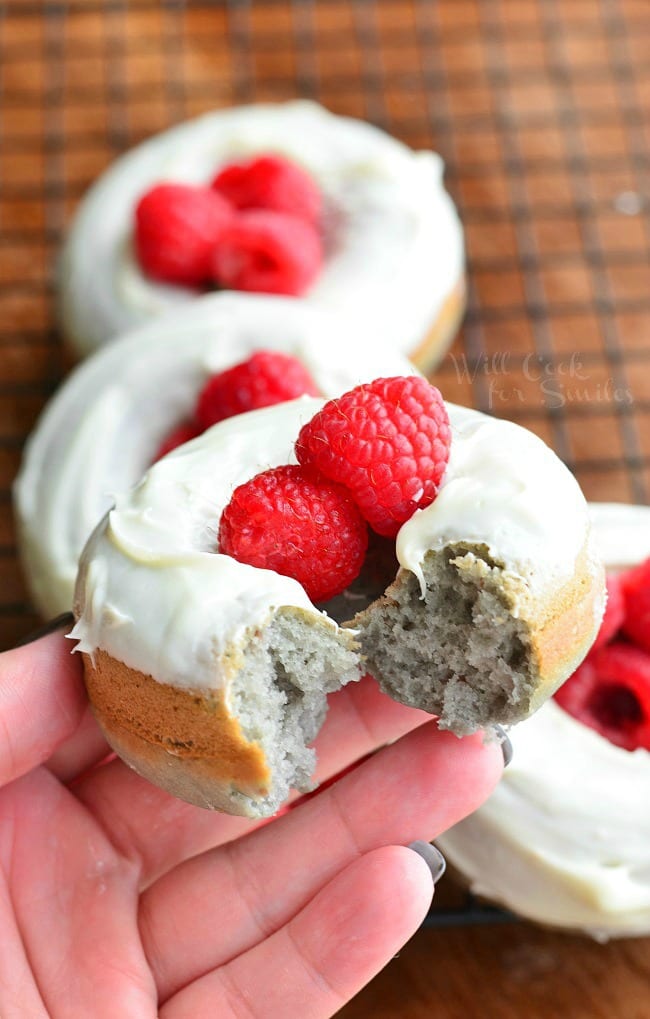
{"x": 101, "y": 431}
{"x": 209, "y": 676}
{"x": 565, "y": 837}
{"x": 394, "y": 245}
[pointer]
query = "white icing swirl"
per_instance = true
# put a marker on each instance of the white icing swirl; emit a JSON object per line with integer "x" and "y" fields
{"x": 394, "y": 246}
{"x": 102, "y": 429}
{"x": 147, "y": 547}
{"x": 565, "y": 838}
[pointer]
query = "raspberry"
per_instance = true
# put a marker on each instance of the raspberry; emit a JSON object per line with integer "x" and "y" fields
{"x": 614, "y": 611}
{"x": 293, "y": 521}
{"x": 610, "y": 692}
{"x": 270, "y": 182}
{"x": 388, "y": 442}
{"x": 176, "y": 229}
{"x": 267, "y": 252}
{"x": 636, "y": 594}
{"x": 265, "y": 378}
{"x": 178, "y": 437}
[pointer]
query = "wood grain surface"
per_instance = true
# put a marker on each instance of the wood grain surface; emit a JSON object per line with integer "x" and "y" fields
{"x": 541, "y": 110}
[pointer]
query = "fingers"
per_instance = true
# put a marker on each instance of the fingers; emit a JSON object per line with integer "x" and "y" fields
{"x": 149, "y": 824}
{"x": 414, "y": 789}
{"x": 360, "y": 719}
{"x": 162, "y": 831}
{"x": 75, "y": 902}
{"x": 326, "y": 953}
{"x": 81, "y": 751}
{"x": 42, "y": 700}
{"x": 19, "y": 995}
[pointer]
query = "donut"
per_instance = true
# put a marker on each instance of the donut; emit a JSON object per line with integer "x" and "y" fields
{"x": 394, "y": 256}
{"x": 565, "y": 838}
{"x": 101, "y": 431}
{"x": 209, "y": 675}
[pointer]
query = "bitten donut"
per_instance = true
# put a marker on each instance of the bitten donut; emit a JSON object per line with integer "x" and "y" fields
{"x": 393, "y": 244}
{"x": 105, "y": 425}
{"x": 208, "y": 675}
{"x": 565, "y": 838}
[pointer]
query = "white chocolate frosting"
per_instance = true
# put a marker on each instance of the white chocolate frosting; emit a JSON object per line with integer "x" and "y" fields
{"x": 394, "y": 245}
{"x": 158, "y": 597}
{"x": 101, "y": 431}
{"x": 565, "y": 837}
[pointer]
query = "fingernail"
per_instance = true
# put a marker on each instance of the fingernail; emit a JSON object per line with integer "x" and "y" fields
{"x": 433, "y": 858}
{"x": 505, "y": 744}
{"x": 61, "y": 622}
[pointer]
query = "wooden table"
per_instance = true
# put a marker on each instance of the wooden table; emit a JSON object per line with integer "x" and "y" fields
{"x": 541, "y": 110}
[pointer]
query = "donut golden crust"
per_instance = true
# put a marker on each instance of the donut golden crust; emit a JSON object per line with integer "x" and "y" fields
{"x": 183, "y": 740}
{"x": 564, "y": 630}
{"x": 443, "y": 330}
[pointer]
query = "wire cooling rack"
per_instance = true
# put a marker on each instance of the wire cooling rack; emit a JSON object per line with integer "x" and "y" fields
{"x": 539, "y": 108}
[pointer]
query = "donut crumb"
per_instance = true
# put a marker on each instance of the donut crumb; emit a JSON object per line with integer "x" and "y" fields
{"x": 461, "y": 652}
{"x": 279, "y": 696}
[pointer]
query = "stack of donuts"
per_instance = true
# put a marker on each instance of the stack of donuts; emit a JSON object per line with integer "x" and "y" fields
{"x": 250, "y": 496}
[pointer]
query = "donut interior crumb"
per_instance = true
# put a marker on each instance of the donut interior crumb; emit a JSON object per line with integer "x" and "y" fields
{"x": 460, "y": 652}
{"x": 279, "y": 696}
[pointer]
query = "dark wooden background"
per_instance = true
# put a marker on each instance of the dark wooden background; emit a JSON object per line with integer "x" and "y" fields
{"x": 541, "y": 109}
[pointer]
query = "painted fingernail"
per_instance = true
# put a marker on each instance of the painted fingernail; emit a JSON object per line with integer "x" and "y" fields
{"x": 433, "y": 858}
{"x": 65, "y": 620}
{"x": 505, "y": 744}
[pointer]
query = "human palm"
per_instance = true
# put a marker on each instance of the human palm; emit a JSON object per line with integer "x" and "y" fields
{"x": 118, "y": 900}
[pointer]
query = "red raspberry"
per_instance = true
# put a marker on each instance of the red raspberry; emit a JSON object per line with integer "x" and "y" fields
{"x": 388, "y": 442}
{"x": 610, "y": 692}
{"x": 267, "y": 252}
{"x": 266, "y": 378}
{"x": 636, "y": 593}
{"x": 270, "y": 182}
{"x": 176, "y": 229}
{"x": 293, "y": 521}
{"x": 177, "y": 437}
{"x": 614, "y": 611}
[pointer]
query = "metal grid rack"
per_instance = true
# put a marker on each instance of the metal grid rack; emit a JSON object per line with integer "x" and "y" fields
{"x": 539, "y": 109}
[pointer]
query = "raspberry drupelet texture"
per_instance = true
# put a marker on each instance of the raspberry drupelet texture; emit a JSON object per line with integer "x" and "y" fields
{"x": 270, "y": 182}
{"x": 267, "y": 252}
{"x": 176, "y": 229}
{"x": 266, "y": 378}
{"x": 387, "y": 442}
{"x": 292, "y": 520}
{"x": 614, "y": 612}
{"x": 636, "y": 595}
{"x": 610, "y": 692}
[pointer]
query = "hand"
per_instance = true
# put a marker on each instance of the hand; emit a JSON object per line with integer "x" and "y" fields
{"x": 118, "y": 900}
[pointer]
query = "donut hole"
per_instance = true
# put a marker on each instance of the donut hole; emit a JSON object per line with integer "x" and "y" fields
{"x": 279, "y": 696}
{"x": 460, "y": 651}
{"x": 378, "y": 572}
